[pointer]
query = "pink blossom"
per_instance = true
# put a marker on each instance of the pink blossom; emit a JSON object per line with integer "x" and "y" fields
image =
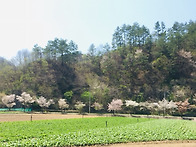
{"x": 115, "y": 105}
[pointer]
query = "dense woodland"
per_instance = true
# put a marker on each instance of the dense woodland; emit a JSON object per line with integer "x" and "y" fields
{"x": 139, "y": 66}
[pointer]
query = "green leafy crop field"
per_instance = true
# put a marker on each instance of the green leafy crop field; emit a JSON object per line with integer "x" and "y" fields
{"x": 91, "y": 131}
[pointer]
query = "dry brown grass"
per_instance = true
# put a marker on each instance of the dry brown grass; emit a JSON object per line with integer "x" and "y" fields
{"x": 27, "y": 117}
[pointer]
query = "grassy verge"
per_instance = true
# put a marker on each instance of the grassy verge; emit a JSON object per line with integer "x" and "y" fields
{"x": 91, "y": 131}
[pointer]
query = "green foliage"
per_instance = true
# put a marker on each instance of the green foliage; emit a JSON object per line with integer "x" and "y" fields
{"x": 68, "y": 95}
{"x": 92, "y": 131}
{"x": 86, "y": 95}
{"x": 54, "y": 127}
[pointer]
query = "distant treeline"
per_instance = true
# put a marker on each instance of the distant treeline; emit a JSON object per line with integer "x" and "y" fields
{"x": 139, "y": 66}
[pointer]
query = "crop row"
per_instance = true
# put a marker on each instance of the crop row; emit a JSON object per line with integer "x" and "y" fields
{"x": 11, "y": 131}
{"x": 154, "y": 130}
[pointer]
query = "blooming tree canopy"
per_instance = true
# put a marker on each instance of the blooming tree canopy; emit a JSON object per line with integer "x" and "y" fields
{"x": 62, "y": 104}
{"x": 172, "y": 105}
{"x": 182, "y": 106}
{"x": 44, "y": 103}
{"x": 25, "y": 99}
{"x": 9, "y": 100}
{"x": 79, "y": 105}
{"x": 144, "y": 105}
{"x": 115, "y": 105}
{"x": 153, "y": 106}
{"x": 131, "y": 103}
{"x": 165, "y": 105}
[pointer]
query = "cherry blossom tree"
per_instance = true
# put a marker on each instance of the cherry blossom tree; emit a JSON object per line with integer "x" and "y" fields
{"x": 182, "y": 106}
{"x": 163, "y": 105}
{"x": 9, "y": 101}
{"x": 43, "y": 103}
{"x": 153, "y": 107}
{"x": 172, "y": 106}
{"x": 25, "y": 99}
{"x": 115, "y": 105}
{"x": 131, "y": 104}
{"x": 144, "y": 106}
{"x": 79, "y": 106}
{"x": 63, "y": 104}
{"x": 166, "y": 106}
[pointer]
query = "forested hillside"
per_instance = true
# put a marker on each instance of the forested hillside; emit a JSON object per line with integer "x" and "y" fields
{"x": 139, "y": 66}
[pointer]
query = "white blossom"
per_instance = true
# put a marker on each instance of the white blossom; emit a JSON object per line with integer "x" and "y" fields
{"x": 9, "y": 100}
{"x": 79, "y": 105}
{"x": 144, "y": 104}
{"x": 155, "y": 105}
{"x": 131, "y": 103}
{"x": 43, "y": 102}
{"x": 163, "y": 104}
{"x": 62, "y": 104}
{"x": 172, "y": 105}
{"x": 25, "y": 99}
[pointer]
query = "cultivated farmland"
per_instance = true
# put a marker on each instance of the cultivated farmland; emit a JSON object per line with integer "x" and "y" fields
{"x": 93, "y": 131}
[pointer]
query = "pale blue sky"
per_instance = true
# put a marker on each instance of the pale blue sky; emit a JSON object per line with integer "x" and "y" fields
{"x": 24, "y": 23}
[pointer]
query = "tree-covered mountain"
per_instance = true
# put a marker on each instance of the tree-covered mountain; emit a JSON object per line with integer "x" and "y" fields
{"x": 139, "y": 66}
